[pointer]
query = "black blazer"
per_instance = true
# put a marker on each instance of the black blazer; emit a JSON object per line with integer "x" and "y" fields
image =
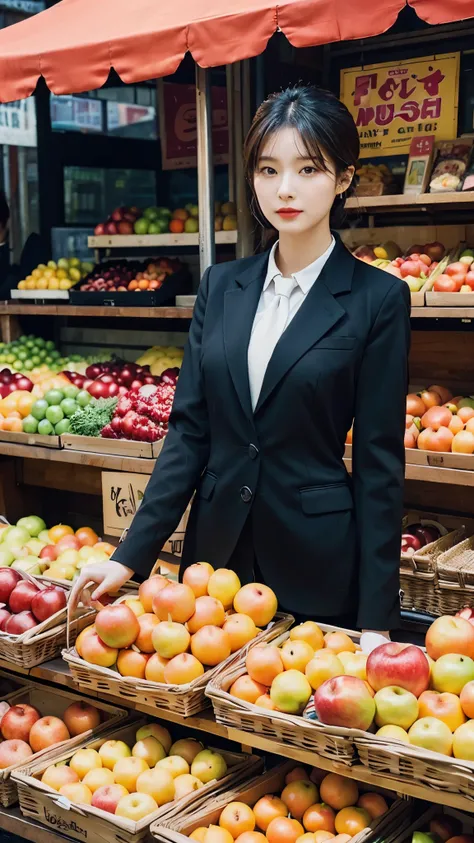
{"x": 325, "y": 542}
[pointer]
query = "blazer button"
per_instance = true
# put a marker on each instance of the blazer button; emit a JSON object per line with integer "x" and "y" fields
{"x": 253, "y": 452}
{"x": 246, "y": 494}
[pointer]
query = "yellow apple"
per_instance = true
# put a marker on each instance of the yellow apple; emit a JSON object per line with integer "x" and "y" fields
{"x": 84, "y": 760}
{"x": 127, "y": 770}
{"x": 135, "y": 806}
{"x": 111, "y": 751}
{"x": 157, "y": 783}
{"x": 174, "y": 765}
{"x": 150, "y": 749}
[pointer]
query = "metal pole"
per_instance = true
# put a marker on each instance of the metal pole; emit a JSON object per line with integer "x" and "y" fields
{"x": 205, "y": 168}
{"x": 244, "y": 218}
{"x": 230, "y": 130}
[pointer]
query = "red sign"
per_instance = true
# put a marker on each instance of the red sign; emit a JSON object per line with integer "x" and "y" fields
{"x": 178, "y": 125}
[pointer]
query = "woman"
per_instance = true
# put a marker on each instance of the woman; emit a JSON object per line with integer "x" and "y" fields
{"x": 285, "y": 349}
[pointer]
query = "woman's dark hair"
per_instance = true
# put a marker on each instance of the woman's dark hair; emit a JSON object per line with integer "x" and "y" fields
{"x": 325, "y": 126}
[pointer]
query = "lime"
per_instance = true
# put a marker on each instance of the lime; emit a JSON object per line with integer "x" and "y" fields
{"x": 22, "y": 355}
{"x": 64, "y": 426}
{"x": 68, "y": 406}
{"x": 49, "y": 345}
{"x": 17, "y": 364}
{"x": 30, "y": 424}
{"x": 54, "y": 414}
{"x": 40, "y": 342}
{"x": 10, "y": 358}
{"x": 55, "y": 355}
{"x": 22, "y": 339}
{"x": 83, "y": 398}
{"x": 70, "y": 391}
{"x": 30, "y": 344}
{"x": 45, "y": 428}
{"x": 36, "y": 360}
{"x": 42, "y": 354}
{"x": 54, "y": 396}
{"x": 39, "y": 408}
{"x": 28, "y": 365}
{"x": 48, "y": 359}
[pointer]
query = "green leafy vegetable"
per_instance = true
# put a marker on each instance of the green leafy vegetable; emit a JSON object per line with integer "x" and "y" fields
{"x": 89, "y": 421}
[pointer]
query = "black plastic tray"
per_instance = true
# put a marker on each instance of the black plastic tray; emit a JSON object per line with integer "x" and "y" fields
{"x": 175, "y": 285}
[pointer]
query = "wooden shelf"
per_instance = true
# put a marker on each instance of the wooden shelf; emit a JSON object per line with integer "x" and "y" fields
{"x": 106, "y": 461}
{"x": 166, "y": 241}
{"x": 399, "y": 202}
{"x": 10, "y": 308}
{"x": 466, "y": 313}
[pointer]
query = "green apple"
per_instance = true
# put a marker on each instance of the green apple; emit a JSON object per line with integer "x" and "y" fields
{"x": 30, "y": 424}
{"x": 30, "y": 565}
{"x": 54, "y": 396}
{"x": 64, "y": 426}
{"x": 45, "y": 428}
{"x": 44, "y": 537}
{"x": 451, "y": 672}
{"x": 141, "y": 226}
{"x": 191, "y": 226}
{"x": 415, "y": 284}
{"x": 68, "y": 406}
{"x": 33, "y": 523}
{"x": 17, "y": 536}
{"x": 70, "y": 391}
{"x": 6, "y": 557}
{"x": 38, "y": 410}
{"x": 395, "y": 707}
{"x": 86, "y": 552}
{"x": 35, "y": 546}
{"x": 54, "y": 414}
{"x": 424, "y": 837}
{"x": 208, "y": 765}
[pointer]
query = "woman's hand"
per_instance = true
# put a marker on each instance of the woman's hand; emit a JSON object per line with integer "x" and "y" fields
{"x": 109, "y": 576}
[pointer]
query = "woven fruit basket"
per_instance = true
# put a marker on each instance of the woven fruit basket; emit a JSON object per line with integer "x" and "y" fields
{"x": 53, "y": 701}
{"x": 331, "y": 742}
{"x": 455, "y": 577}
{"x": 177, "y": 827}
{"x": 186, "y": 700}
{"x": 46, "y": 640}
{"x": 83, "y": 822}
{"x": 418, "y": 571}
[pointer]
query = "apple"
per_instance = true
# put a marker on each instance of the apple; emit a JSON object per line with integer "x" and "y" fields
{"x": 35, "y": 546}
{"x": 410, "y": 543}
{"x": 208, "y": 766}
{"x": 111, "y": 751}
{"x": 175, "y": 765}
{"x": 345, "y": 701}
{"x": 223, "y": 585}
{"x": 197, "y": 577}
{"x": 310, "y": 632}
{"x": 445, "y": 826}
{"x": 107, "y": 797}
{"x": 258, "y": 601}
{"x": 48, "y": 602}
{"x": 76, "y": 792}
{"x": 446, "y": 707}
{"x": 185, "y": 785}
{"x": 157, "y": 783}
{"x": 264, "y": 662}
{"x": 354, "y": 664}
{"x": 6, "y": 557}
{"x": 46, "y": 732}
{"x": 16, "y": 537}
{"x": 56, "y": 777}
{"x": 17, "y": 722}
{"x": 395, "y": 707}
{"x": 299, "y": 796}
{"x": 431, "y": 733}
{"x": 95, "y": 651}
{"x": 127, "y": 770}
{"x": 4, "y": 616}
{"x": 30, "y": 565}
{"x": 85, "y": 760}
{"x": 135, "y": 806}
{"x": 98, "y": 777}
{"x": 33, "y": 524}
{"x": 170, "y": 639}
{"x": 403, "y": 665}
{"x": 393, "y": 733}
{"x": 18, "y": 624}
{"x": 157, "y": 731}
{"x": 149, "y": 589}
{"x": 324, "y": 665}
{"x": 451, "y": 673}
{"x": 448, "y": 635}
{"x": 21, "y": 596}
{"x": 187, "y": 748}
{"x": 14, "y": 752}
{"x": 176, "y": 602}
{"x": 117, "y": 626}
{"x": 81, "y": 717}
{"x": 290, "y": 692}
{"x": 8, "y": 581}
{"x": 150, "y": 749}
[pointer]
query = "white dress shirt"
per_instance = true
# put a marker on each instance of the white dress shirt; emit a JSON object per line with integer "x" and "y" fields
{"x": 261, "y": 347}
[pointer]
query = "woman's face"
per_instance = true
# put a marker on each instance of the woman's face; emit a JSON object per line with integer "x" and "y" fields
{"x": 294, "y": 196}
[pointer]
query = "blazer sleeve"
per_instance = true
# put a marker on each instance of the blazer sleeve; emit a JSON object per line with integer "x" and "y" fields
{"x": 181, "y": 462}
{"x": 378, "y": 465}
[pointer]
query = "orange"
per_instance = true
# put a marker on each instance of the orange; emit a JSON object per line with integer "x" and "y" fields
{"x": 236, "y": 818}
{"x": 14, "y": 425}
{"x": 133, "y": 285}
{"x": 143, "y": 284}
{"x": 352, "y": 821}
{"x": 374, "y": 804}
{"x": 338, "y": 791}
{"x": 177, "y": 226}
{"x": 284, "y": 830}
{"x": 25, "y": 403}
{"x": 319, "y": 817}
{"x": 267, "y": 809}
{"x": 59, "y": 531}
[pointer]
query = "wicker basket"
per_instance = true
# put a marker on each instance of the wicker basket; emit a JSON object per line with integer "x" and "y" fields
{"x": 418, "y": 574}
{"x": 393, "y": 761}
{"x": 46, "y": 640}
{"x": 331, "y": 742}
{"x": 11, "y": 683}
{"x": 455, "y": 577}
{"x": 421, "y": 822}
{"x": 186, "y": 700}
{"x": 52, "y": 701}
{"x": 84, "y": 822}
{"x": 177, "y": 826}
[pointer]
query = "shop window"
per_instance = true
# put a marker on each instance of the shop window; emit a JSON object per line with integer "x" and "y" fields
{"x": 91, "y": 193}
{"x": 126, "y": 112}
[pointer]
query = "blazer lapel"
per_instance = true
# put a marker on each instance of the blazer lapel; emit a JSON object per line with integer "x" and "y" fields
{"x": 317, "y": 315}
{"x": 240, "y": 305}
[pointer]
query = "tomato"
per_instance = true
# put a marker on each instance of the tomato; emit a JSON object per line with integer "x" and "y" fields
{"x": 56, "y": 533}
{"x": 444, "y": 284}
{"x": 87, "y": 536}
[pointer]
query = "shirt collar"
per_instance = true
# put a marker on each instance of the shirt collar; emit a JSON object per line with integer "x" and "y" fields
{"x": 306, "y": 277}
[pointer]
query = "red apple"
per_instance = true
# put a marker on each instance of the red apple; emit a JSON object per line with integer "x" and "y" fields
{"x": 80, "y": 717}
{"x": 49, "y": 552}
{"x": 14, "y": 752}
{"x": 412, "y": 268}
{"x": 470, "y": 279}
{"x": 48, "y": 601}
{"x": 448, "y": 635}
{"x": 22, "y": 595}
{"x": 68, "y": 543}
{"x": 4, "y": 615}
{"x": 108, "y": 796}
{"x": 467, "y": 613}
{"x": 403, "y": 665}
{"x": 345, "y": 701}
{"x": 46, "y": 732}
{"x": 17, "y": 624}
{"x": 8, "y": 580}
{"x": 17, "y": 722}
{"x": 410, "y": 543}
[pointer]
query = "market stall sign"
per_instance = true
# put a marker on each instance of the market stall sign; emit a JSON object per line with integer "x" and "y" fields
{"x": 18, "y": 123}
{"x": 122, "y": 493}
{"x": 393, "y": 102}
{"x": 178, "y": 125}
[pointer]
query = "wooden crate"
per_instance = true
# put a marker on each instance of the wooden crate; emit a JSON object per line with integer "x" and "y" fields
{"x": 178, "y": 826}
{"x": 186, "y": 700}
{"x": 31, "y": 439}
{"x": 331, "y": 742}
{"x": 12, "y": 683}
{"x": 83, "y": 822}
{"x": 442, "y": 459}
{"x": 421, "y": 823}
{"x": 53, "y": 701}
{"x": 114, "y": 447}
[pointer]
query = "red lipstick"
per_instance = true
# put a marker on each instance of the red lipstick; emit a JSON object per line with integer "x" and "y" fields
{"x": 289, "y": 213}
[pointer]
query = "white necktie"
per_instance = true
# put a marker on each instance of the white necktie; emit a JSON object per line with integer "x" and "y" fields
{"x": 266, "y": 333}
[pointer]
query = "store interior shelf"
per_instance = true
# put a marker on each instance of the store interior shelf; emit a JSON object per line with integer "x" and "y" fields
{"x": 106, "y": 461}
{"x": 400, "y": 202}
{"x": 57, "y": 672}
{"x": 143, "y": 241}
{"x": 10, "y": 308}
{"x": 12, "y": 822}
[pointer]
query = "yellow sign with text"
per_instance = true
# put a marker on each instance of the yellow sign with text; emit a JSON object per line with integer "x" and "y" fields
{"x": 394, "y": 102}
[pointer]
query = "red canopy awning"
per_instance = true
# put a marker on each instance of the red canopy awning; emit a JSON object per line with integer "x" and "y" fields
{"x": 74, "y": 44}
